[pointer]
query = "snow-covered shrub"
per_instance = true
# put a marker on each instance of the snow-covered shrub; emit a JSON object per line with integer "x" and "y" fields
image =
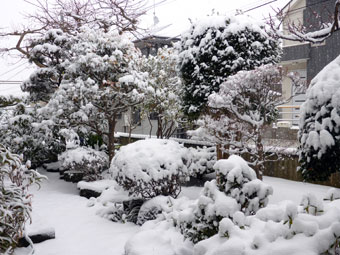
{"x": 282, "y": 228}
{"x": 153, "y": 207}
{"x": 319, "y": 128}
{"x": 26, "y": 132}
{"x": 91, "y": 163}
{"x": 15, "y": 201}
{"x": 216, "y": 47}
{"x": 203, "y": 160}
{"x": 149, "y": 168}
{"x": 238, "y": 180}
{"x": 201, "y": 221}
{"x": 235, "y": 193}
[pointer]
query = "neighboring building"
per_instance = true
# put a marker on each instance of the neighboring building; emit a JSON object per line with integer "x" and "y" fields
{"x": 148, "y": 45}
{"x": 306, "y": 59}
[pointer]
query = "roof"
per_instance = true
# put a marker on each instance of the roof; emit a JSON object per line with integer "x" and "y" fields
{"x": 156, "y": 38}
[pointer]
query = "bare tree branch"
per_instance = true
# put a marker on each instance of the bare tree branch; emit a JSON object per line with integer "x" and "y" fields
{"x": 297, "y": 32}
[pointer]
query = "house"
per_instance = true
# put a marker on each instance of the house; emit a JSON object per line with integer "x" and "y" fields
{"x": 304, "y": 58}
{"x": 131, "y": 119}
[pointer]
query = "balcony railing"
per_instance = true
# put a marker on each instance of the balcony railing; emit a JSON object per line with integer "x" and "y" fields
{"x": 288, "y": 116}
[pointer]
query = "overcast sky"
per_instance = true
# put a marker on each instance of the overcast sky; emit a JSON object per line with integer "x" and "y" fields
{"x": 173, "y": 14}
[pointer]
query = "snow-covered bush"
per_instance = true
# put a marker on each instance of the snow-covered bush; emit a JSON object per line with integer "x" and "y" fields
{"x": 319, "y": 129}
{"x": 203, "y": 160}
{"x": 15, "y": 201}
{"x": 281, "y": 228}
{"x": 152, "y": 167}
{"x": 91, "y": 163}
{"x": 237, "y": 180}
{"x": 26, "y": 132}
{"x": 153, "y": 207}
{"x": 234, "y": 194}
{"x": 201, "y": 221}
{"x": 216, "y": 47}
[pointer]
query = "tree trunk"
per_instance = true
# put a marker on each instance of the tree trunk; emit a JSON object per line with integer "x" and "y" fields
{"x": 259, "y": 167}
{"x": 111, "y": 144}
{"x": 159, "y": 128}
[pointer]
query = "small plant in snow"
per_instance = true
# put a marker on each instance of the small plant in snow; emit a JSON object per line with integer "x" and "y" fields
{"x": 311, "y": 204}
{"x": 152, "y": 167}
{"x": 15, "y": 201}
{"x": 91, "y": 163}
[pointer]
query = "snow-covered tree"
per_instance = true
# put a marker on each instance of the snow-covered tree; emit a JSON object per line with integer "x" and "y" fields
{"x": 70, "y": 16}
{"x": 15, "y": 200}
{"x": 316, "y": 32}
{"x": 319, "y": 129}
{"x": 163, "y": 95}
{"x": 49, "y": 52}
{"x": 217, "y": 47}
{"x": 244, "y": 105}
{"x": 101, "y": 81}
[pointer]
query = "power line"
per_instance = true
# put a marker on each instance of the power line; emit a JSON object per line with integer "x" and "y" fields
{"x": 259, "y": 6}
{"x": 9, "y": 82}
{"x": 13, "y": 69}
{"x": 17, "y": 73}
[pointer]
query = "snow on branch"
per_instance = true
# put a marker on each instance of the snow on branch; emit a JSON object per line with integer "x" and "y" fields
{"x": 298, "y": 32}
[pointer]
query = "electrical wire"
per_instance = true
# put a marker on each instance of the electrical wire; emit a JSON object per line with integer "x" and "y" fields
{"x": 13, "y": 69}
{"x": 18, "y": 72}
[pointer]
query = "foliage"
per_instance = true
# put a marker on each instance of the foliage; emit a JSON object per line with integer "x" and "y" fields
{"x": 149, "y": 168}
{"x": 91, "y": 163}
{"x": 319, "y": 127}
{"x": 25, "y": 132}
{"x": 215, "y": 48}
{"x": 51, "y": 51}
{"x": 101, "y": 81}
{"x": 235, "y": 191}
{"x": 162, "y": 97}
{"x": 203, "y": 160}
{"x": 15, "y": 201}
{"x": 244, "y": 105}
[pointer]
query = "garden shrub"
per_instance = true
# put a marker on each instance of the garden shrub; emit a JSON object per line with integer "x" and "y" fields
{"x": 236, "y": 191}
{"x": 203, "y": 160}
{"x": 15, "y": 201}
{"x": 149, "y": 168}
{"x": 91, "y": 163}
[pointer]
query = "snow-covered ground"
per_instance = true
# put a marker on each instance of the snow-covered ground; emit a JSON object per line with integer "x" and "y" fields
{"x": 80, "y": 231}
